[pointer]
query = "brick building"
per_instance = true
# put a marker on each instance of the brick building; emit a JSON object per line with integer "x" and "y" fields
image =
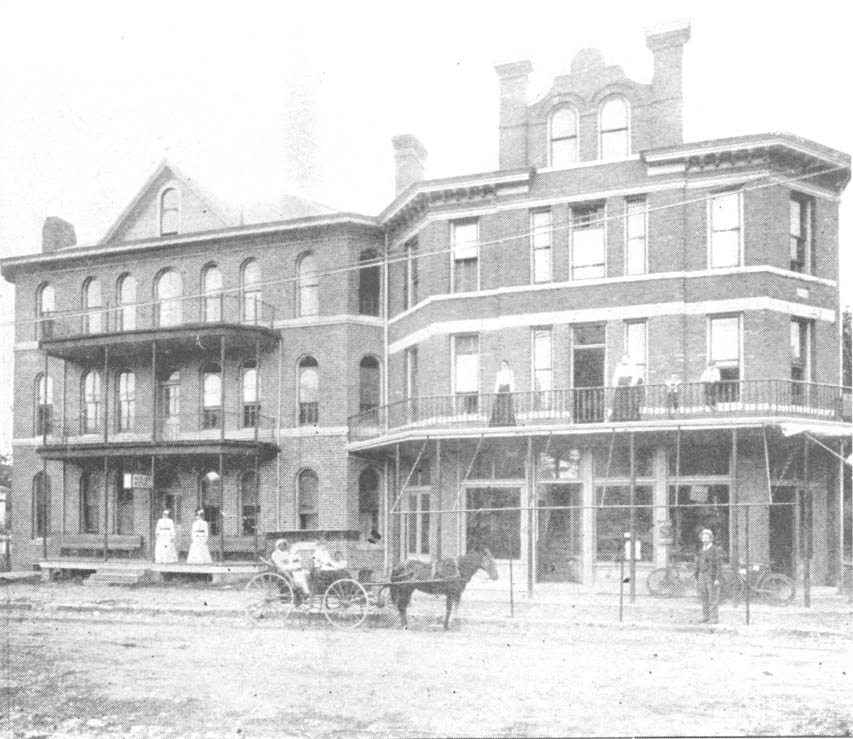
{"x": 300, "y": 369}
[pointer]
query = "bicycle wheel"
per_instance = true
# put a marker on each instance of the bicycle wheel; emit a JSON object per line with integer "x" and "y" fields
{"x": 345, "y": 604}
{"x": 663, "y": 582}
{"x": 269, "y": 597}
{"x": 777, "y": 590}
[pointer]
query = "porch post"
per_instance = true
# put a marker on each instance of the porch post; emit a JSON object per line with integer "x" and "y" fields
{"x": 632, "y": 524}
{"x": 221, "y": 397}
{"x": 841, "y": 517}
{"x": 46, "y": 490}
{"x": 734, "y": 549}
{"x": 399, "y": 528}
{"x": 152, "y": 500}
{"x": 106, "y": 507}
{"x": 438, "y": 497}
{"x": 807, "y": 533}
{"x": 221, "y": 502}
{"x": 106, "y": 400}
{"x": 257, "y": 503}
{"x": 257, "y": 399}
{"x": 531, "y": 502}
{"x": 386, "y": 518}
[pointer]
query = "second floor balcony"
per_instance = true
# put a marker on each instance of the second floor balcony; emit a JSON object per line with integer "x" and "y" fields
{"x": 81, "y": 334}
{"x": 605, "y": 407}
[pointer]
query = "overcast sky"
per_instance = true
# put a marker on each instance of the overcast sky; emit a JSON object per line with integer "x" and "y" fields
{"x": 253, "y": 99}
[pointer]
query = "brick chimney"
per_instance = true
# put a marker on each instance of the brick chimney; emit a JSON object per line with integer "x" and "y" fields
{"x": 512, "y": 142}
{"x": 667, "y": 45}
{"x": 409, "y": 158}
{"x": 57, "y": 234}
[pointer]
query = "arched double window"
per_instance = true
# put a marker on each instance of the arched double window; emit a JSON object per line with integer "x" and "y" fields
{"x": 564, "y": 138}
{"x": 91, "y": 402}
{"x": 127, "y": 302}
{"x": 309, "y": 391}
{"x": 90, "y": 508}
{"x": 126, "y": 400}
{"x": 211, "y": 288}
{"x": 211, "y": 500}
{"x": 170, "y": 211}
{"x": 368, "y": 501}
{"x": 368, "y": 384}
{"x": 93, "y": 305}
{"x": 45, "y": 308}
{"x": 250, "y": 291}
{"x": 613, "y": 125}
{"x": 211, "y": 396}
{"x": 40, "y": 496}
{"x": 309, "y": 286}
{"x": 250, "y": 393}
{"x": 168, "y": 292}
{"x": 44, "y": 405}
{"x": 250, "y": 511}
{"x": 368, "y": 283}
{"x": 308, "y": 485}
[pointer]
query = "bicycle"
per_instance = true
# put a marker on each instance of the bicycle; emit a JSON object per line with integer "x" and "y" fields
{"x": 672, "y": 581}
{"x": 773, "y": 588}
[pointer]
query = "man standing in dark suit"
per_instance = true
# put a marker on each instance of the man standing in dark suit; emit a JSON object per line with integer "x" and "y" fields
{"x": 709, "y": 569}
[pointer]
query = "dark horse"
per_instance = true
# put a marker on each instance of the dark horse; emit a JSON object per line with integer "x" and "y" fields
{"x": 445, "y": 577}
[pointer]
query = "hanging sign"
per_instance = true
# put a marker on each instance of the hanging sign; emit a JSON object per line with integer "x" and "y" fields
{"x": 699, "y": 493}
{"x": 137, "y": 481}
{"x": 665, "y": 533}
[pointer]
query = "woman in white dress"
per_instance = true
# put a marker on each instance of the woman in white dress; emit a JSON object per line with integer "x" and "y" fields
{"x": 165, "y": 551}
{"x": 199, "y": 554}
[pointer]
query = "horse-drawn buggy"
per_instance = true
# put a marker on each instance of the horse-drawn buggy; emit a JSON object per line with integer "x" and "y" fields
{"x": 346, "y": 600}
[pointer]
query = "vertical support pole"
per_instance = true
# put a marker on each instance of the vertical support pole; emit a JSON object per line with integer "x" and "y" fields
{"x": 438, "y": 498}
{"x": 746, "y": 557}
{"x": 386, "y": 518}
{"x": 152, "y": 501}
{"x": 278, "y": 516}
{"x": 221, "y": 395}
{"x": 531, "y": 503}
{"x": 734, "y": 550}
{"x": 797, "y": 531}
{"x": 398, "y": 530}
{"x": 106, "y": 401}
{"x": 632, "y": 522}
{"x": 767, "y": 466}
{"x": 257, "y": 510}
{"x": 46, "y": 491}
{"x": 807, "y": 526}
{"x": 152, "y": 497}
{"x": 221, "y": 507}
{"x": 106, "y": 506}
{"x": 840, "y": 475}
{"x": 676, "y": 483}
{"x": 257, "y": 401}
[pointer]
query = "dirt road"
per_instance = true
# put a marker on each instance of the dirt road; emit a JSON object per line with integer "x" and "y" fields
{"x": 213, "y": 679}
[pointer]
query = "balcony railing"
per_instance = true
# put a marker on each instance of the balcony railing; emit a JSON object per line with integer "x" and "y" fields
{"x": 242, "y": 310}
{"x": 762, "y": 398}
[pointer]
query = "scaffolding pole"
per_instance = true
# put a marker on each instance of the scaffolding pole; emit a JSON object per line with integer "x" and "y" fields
{"x": 411, "y": 471}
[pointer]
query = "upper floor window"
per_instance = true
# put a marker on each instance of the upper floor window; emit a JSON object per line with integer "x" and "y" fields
{"x": 540, "y": 237}
{"x": 45, "y": 308}
{"x": 170, "y": 389}
{"x": 211, "y": 288}
{"x": 250, "y": 392}
{"x": 801, "y": 210}
{"x": 465, "y": 239}
{"x": 615, "y": 141}
{"x": 564, "y": 138}
{"x": 368, "y": 384}
{"x": 308, "y": 485}
{"x": 635, "y": 237}
{"x": 170, "y": 211}
{"x": 91, "y": 402}
{"x": 588, "y": 241}
{"x": 309, "y": 391}
{"x": 410, "y": 279}
{"x": 309, "y": 286}
{"x": 542, "y": 368}
{"x": 635, "y": 346}
{"x": 93, "y": 306}
{"x": 724, "y": 352}
{"x": 368, "y": 283}
{"x": 466, "y": 372}
{"x": 127, "y": 302}
{"x": 725, "y": 231}
{"x": 44, "y": 405}
{"x": 801, "y": 364}
{"x": 250, "y": 289}
{"x": 169, "y": 291}
{"x": 211, "y": 400}
{"x": 126, "y": 400}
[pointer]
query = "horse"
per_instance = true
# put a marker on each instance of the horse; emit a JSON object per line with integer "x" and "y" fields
{"x": 445, "y": 577}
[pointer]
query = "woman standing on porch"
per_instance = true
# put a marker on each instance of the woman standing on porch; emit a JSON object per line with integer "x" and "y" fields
{"x": 503, "y": 413}
{"x": 199, "y": 554}
{"x": 165, "y": 551}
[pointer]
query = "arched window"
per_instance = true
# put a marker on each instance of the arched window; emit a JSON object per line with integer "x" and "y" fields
{"x": 170, "y": 211}
{"x": 41, "y": 494}
{"x": 368, "y": 501}
{"x": 91, "y": 402}
{"x": 45, "y": 308}
{"x": 368, "y": 384}
{"x": 564, "y": 138}
{"x": 250, "y": 393}
{"x": 368, "y": 283}
{"x": 90, "y": 508}
{"x": 250, "y": 290}
{"x": 615, "y": 142}
{"x": 126, "y": 386}
{"x": 307, "y": 495}
{"x": 211, "y": 500}
{"x": 127, "y": 302}
{"x": 93, "y": 306}
{"x": 211, "y": 383}
{"x": 211, "y": 288}
{"x": 309, "y": 387}
{"x": 44, "y": 405}
{"x": 250, "y": 511}
{"x": 168, "y": 292}
{"x": 309, "y": 286}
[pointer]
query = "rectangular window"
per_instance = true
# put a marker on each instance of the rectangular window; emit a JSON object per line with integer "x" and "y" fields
{"x": 540, "y": 233}
{"x": 465, "y": 238}
{"x": 635, "y": 237}
{"x": 466, "y": 372}
{"x": 588, "y": 241}
{"x": 418, "y": 524}
{"x": 410, "y": 280}
{"x": 542, "y": 370}
{"x": 725, "y": 215}
{"x": 800, "y": 357}
{"x": 724, "y": 351}
{"x": 635, "y": 345}
{"x": 801, "y": 209}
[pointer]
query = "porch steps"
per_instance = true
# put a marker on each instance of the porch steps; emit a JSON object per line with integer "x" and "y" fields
{"x": 111, "y": 576}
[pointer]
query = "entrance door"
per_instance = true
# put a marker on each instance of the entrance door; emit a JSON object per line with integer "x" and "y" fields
{"x": 588, "y": 372}
{"x": 560, "y": 534}
{"x": 489, "y": 526}
{"x": 781, "y": 531}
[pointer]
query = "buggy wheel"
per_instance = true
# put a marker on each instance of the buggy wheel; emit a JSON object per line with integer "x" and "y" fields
{"x": 345, "y": 604}
{"x": 269, "y": 597}
{"x": 777, "y": 590}
{"x": 663, "y": 582}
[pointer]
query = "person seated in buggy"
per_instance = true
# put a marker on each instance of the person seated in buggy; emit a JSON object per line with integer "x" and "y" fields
{"x": 327, "y": 568}
{"x": 289, "y": 563}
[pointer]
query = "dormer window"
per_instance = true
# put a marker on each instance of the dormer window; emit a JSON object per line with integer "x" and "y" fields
{"x": 615, "y": 142}
{"x": 170, "y": 211}
{"x": 564, "y": 138}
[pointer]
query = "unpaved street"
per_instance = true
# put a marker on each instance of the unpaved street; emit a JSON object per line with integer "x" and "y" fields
{"x": 209, "y": 678}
